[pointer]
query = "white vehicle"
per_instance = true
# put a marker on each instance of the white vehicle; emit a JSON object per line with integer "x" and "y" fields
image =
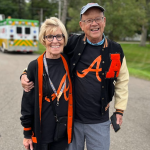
{"x": 18, "y": 35}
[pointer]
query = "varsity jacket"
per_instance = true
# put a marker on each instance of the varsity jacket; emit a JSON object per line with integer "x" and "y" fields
{"x": 114, "y": 75}
{"x": 31, "y": 108}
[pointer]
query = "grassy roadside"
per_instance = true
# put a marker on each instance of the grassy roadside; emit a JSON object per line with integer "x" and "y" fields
{"x": 41, "y": 49}
{"x": 138, "y": 59}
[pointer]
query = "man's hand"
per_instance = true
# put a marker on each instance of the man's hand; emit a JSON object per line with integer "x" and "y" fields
{"x": 116, "y": 121}
{"x": 28, "y": 144}
{"x": 27, "y": 86}
{"x": 119, "y": 119}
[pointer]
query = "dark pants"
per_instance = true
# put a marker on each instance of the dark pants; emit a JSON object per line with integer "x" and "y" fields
{"x": 59, "y": 145}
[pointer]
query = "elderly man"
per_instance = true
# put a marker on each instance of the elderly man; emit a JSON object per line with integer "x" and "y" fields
{"x": 99, "y": 72}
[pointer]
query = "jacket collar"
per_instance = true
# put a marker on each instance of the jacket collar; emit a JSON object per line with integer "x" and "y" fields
{"x": 85, "y": 40}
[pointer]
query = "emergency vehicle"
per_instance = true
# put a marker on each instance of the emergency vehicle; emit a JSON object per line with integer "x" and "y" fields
{"x": 19, "y": 35}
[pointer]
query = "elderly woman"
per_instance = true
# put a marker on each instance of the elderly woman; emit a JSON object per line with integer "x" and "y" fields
{"x": 47, "y": 109}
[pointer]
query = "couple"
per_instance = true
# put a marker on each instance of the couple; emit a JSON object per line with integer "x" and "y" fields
{"x": 77, "y": 84}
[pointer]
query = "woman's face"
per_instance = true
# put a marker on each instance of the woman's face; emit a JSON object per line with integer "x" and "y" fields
{"x": 54, "y": 45}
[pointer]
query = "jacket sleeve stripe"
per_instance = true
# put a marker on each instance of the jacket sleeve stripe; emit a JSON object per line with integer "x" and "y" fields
{"x": 27, "y": 129}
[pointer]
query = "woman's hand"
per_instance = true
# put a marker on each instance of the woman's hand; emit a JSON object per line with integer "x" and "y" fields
{"x": 28, "y": 144}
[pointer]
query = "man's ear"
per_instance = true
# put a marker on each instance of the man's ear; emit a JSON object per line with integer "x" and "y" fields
{"x": 81, "y": 25}
{"x": 105, "y": 20}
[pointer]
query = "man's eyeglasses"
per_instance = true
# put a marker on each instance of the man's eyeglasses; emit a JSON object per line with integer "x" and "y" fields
{"x": 50, "y": 37}
{"x": 90, "y": 21}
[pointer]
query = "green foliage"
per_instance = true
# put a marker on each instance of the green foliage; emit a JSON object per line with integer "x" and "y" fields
{"x": 41, "y": 49}
{"x": 13, "y": 8}
{"x": 49, "y": 9}
{"x": 73, "y": 25}
{"x": 123, "y": 18}
{"x": 74, "y": 14}
{"x": 21, "y": 9}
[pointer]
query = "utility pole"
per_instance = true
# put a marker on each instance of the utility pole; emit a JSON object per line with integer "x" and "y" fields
{"x": 41, "y": 16}
{"x": 64, "y": 12}
{"x": 59, "y": 9}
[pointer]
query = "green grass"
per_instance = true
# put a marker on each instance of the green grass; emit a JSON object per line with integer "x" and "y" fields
{"x": 41, "y": 49}
{"x": 138, "y": 59}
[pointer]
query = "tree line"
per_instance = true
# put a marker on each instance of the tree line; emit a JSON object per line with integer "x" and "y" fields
{"x": 124, "y": 18}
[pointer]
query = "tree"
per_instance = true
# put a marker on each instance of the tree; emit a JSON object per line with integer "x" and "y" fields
{"x": 123, "y": 18}
{"x": 74, "y": 14}
{"x": 21, "y": 9}
{"x": 9, "y": 8}
{"x": 146, "y": 21}
{"x": 64, "y": 11}
{"x": 49, "y": 8}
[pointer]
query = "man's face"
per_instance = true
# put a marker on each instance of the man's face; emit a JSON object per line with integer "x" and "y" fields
{"x": 93, "y": 31}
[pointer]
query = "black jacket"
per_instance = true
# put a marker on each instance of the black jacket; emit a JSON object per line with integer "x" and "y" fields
{"x": 32, "y": 103}
{"x": 112, "y": 61}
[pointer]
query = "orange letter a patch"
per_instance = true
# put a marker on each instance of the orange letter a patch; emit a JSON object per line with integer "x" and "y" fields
{"x": 114, "y": 66}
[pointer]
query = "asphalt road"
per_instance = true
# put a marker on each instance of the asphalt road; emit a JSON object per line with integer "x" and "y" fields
{"x": 134, "y": 133}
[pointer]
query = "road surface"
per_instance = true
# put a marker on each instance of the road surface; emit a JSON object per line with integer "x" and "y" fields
{"x": 134, "y": 133}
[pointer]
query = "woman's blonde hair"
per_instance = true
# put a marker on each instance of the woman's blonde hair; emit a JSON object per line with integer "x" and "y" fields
{"x": 51, "y": 25}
